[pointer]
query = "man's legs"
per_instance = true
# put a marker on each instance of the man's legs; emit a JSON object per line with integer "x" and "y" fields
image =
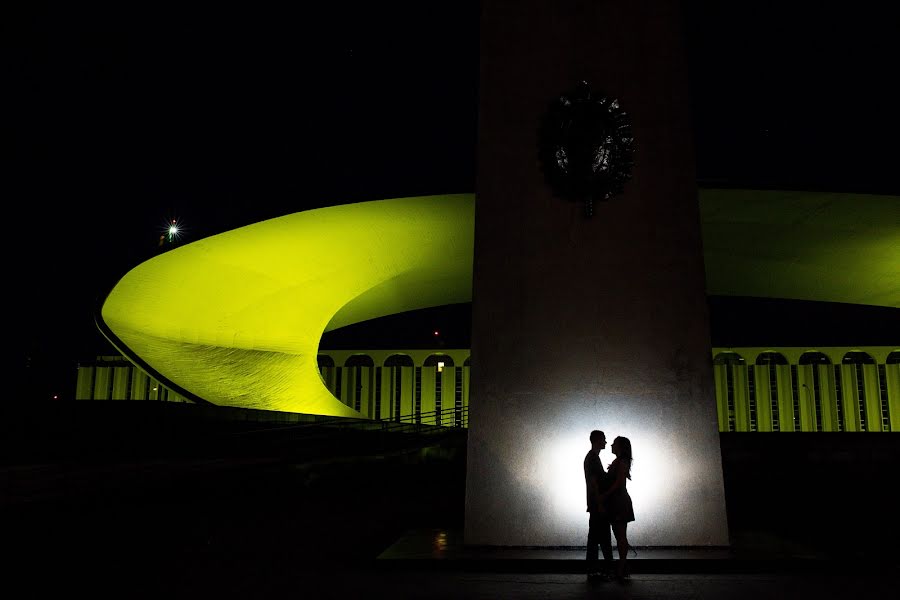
{"x": 592, "y": 543}
{"x": 599, "y": 535}
{"x": 604, "y": 537}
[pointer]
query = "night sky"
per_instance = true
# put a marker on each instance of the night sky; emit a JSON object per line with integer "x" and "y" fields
{"x": 122, "y": 116}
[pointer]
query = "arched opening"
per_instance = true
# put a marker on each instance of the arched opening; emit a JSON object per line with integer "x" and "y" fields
{"x": 725, "y": 364}
{"x": 890, "y": 421}
{"x": 815, "y": 363}
{"x": 326, "y": 371}
{"x": 772, "y": 361}
{"x": 360, "y": 372}
{"x": 858, "y": 359}
{"x": 464, "y": 376}
{"x": 442, "y": 365}
{"x": 395, "y": 363}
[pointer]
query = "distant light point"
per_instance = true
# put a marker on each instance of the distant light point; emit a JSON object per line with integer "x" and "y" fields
{"x": 171, "y": 232}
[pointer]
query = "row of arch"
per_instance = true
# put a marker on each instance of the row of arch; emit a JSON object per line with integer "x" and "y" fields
{"x": 757, "y": 389}
{"x": 819, "y": 391}
{"x": 393, "y": 387}
{"x": 114, "y": 378}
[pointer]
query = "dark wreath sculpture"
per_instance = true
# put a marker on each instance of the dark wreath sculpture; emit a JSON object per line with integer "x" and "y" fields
{"x": 586, "y": 147}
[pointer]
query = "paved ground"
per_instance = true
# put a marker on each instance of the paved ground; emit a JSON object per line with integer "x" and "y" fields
{"x": 245, "y": 577}
{"x": 274, "y": 566}
{"x": 561, "y": 586}
{"x": 260, "y": 526}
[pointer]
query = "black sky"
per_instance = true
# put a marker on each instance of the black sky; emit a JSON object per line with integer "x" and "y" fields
{"x": 123, "y": 115}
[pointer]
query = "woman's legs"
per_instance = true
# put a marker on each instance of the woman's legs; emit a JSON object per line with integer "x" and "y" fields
{"x": 620, "y": 530}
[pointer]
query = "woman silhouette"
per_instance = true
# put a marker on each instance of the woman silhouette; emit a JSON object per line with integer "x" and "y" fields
{"x": 617, "y": 501}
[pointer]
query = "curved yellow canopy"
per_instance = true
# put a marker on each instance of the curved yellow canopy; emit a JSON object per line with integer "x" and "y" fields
{"x": 802, "y": 245}
{"x": 235, "y": 319}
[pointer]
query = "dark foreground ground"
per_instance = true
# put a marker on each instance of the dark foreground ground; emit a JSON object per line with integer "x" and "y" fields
{"x": 190, "y": 509}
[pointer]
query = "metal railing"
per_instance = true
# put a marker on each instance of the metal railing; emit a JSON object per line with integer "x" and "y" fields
{"x": 422, "y": 422}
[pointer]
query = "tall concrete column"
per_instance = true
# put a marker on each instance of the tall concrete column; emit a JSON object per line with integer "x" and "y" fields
{"x": 588, "y": 323}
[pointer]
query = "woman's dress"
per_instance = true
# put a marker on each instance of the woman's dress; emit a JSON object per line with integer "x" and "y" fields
{"x": 618, "y": 503}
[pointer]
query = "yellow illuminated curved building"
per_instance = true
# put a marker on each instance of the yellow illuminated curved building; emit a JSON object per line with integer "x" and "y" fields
{"x": 236, "y": 319}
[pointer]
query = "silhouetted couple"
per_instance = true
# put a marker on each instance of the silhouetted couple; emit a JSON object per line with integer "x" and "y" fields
{"x": 609, "y": 505}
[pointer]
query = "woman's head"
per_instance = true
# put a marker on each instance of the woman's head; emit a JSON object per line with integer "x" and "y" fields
{"x": 621, "y": 447}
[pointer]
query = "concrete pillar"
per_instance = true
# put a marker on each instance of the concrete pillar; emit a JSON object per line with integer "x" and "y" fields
{"x": 582, "y": 324}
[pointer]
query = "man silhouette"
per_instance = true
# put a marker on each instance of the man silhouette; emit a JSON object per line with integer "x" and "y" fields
{"x": 595, "y": 480}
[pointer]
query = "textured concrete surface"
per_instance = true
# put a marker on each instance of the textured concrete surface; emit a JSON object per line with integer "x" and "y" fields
{"x": 588, "y": 323}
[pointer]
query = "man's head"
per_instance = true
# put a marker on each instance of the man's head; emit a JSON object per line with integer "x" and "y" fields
{"x": 598, "y": 440}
